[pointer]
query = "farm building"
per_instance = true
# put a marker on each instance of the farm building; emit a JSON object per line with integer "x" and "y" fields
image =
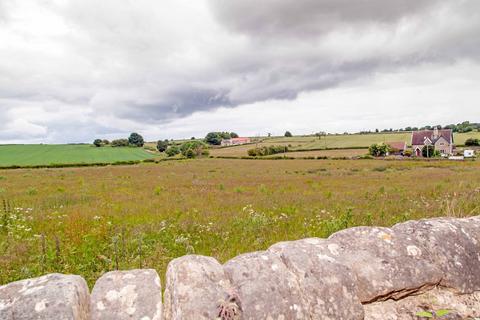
{"x": 234, "y": 141}
{"x": 397, "y": 147}
{"x": 441, "y": 140}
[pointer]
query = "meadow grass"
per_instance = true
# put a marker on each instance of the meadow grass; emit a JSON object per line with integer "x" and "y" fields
{"x": 42, "y": 154}
{"x": 91, "y": 220}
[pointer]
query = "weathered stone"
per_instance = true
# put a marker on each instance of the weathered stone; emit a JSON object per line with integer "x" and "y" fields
{"x": 196, "y": 288}
{"x": 386, "y": 263}
{"x": 53, "y": 296}
{"x": 328, "y": 289}
{"x": 460, "y": 306}
{"x": 453, "y": 246}
{"x": 133, "y": 294}
{"x": 265, "y": 287}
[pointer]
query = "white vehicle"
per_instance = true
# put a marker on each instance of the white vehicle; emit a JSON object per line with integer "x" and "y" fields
{"x": 469, "y": 153}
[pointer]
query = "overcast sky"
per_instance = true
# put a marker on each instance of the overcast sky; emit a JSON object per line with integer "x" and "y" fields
{"x": 75, "y": 70}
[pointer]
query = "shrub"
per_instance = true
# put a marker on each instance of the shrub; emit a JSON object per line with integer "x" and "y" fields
{"x": 105, "y": 142}
{"x": 97, "y": 143}
{"x": 407, "y": 153}
{"x": 193, "y": 148}
{"x": 472, "y": 142}
{"x": 172, "y": 151}
{"x": 288, "y": 134}
{"x": 378, "y": 150}
{"x": 120, "y": 143}
{"x": 430, "y": 152}
{"x": 162, "y": 145}
{"x": 136, "y": 140}
{"x": 266, "y": 151}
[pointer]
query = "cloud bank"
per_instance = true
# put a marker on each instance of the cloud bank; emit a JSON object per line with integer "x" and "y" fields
{"x": 74, "y": 70}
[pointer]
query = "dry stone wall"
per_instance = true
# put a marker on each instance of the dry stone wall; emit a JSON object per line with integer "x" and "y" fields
{"x": 358, "y": 273}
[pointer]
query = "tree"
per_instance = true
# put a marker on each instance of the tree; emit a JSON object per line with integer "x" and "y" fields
{"x": 105, "y": 142}
{"x": 320, "y": 134}
{"x": 288, "y": 134}
{"x": 233, "y": 135}
{"x": 120, "y": 143}
{"x": 162, "y": 145}
{"x": 379, "y": 150}
{"x": 213, "y": 138}
{"x": 192, "y": 149}
{"x": 136, "y": 140}
{"x": 430, "y": 152}
{"x": 97, "y": 143}
{"x": 172, "y": 151}
{"x": 472, "y": 142}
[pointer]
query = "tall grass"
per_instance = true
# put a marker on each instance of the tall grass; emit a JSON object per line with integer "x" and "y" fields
{"x": 91, "y": 220}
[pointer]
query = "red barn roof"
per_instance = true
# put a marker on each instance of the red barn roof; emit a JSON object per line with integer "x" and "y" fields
{"x": 398, "y": 145}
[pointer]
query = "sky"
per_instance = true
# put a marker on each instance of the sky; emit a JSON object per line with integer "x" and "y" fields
{"x": 76, "y": 70}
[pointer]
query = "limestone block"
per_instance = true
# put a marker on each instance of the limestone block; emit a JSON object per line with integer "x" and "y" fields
{"x": 196, "y": 288}
{"x": 133, "y": 294}
{"x": 53, "y": 296}
{"x": 387, "y": 263}
{"x": 328, "y": 288}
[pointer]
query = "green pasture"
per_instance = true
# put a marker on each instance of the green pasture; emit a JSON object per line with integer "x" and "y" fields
{"x": 27, "y": 155}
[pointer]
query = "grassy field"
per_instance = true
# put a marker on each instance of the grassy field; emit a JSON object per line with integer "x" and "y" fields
{"x": 338, "y": 153}
{"x": 24, "y": 155}
{"x": 330, "y": 142}
{"x": 91, "y": 220}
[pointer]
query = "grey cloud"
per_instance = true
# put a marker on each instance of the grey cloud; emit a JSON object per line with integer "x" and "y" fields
{"x": 280, "y": 18}
{"x": 176, "y": 104}
{"x": 154, "y": 62}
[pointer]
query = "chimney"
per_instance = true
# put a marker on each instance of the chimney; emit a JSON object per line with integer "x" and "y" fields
{"x": 435, "y": 133}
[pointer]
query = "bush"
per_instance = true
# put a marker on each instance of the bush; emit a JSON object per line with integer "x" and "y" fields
{"x": 430, "y": 152}
{"x": 97, "y": 143}
{"x": 120, "y": 143}
{"x": 105, "y": 142}
{"x": 378, "y": 150}
{"x": 172, "y": 151}
{"x": 136, "y": 140}
{"x": 193, "y": 148}
{"x": 162, "y": 145}
{"x": 407, "y": 153}
{"x": 288, "y": 134}
{"x": 266, "y": 151}
{"x": 472, "y": 142}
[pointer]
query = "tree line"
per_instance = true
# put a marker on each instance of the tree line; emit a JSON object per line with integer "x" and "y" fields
{"x": 134, "y": 140}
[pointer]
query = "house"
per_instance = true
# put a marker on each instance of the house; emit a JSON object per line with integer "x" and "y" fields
{"x": 441, "y": 140}
{"x": 397, "y": 147}
{"x": 234, "y": 141}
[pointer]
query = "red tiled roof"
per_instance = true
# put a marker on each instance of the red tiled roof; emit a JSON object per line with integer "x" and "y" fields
{"x": 418, "y": 137}
{"x": 240, "y": 139}
{"x": 398, "y": 145}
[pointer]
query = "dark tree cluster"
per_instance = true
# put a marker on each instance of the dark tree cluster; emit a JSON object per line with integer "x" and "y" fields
{"x": 472, "y": 142}
{"x": 134, "y": 140}
{"x": 215, "y": 138}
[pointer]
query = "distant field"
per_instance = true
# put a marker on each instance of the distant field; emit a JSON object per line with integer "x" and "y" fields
{"x": 24, "y": 155}
{"x": 331, "y": 142}
{"x": 146, "y": 215}
{"x": 323, "y": 153}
